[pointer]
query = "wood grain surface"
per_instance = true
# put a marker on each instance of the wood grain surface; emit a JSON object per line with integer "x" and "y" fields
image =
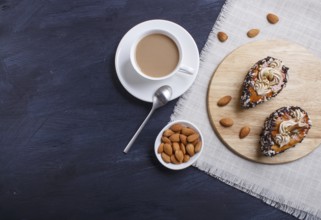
{"x": 65, "y": 119}
{"x": 303, "y": 85}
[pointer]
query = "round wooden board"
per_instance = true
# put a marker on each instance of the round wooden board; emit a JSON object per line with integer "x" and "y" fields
{"x": 303, "y": 89}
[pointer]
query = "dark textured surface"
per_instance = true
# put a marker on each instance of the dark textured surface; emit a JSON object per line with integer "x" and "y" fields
{"x": 65, "y": 119}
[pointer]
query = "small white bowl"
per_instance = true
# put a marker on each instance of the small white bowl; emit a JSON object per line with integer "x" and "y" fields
{"x": 192, "y": 159}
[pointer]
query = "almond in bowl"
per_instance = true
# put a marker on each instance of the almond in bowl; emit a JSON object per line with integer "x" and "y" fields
{"x": 185, "y": 146}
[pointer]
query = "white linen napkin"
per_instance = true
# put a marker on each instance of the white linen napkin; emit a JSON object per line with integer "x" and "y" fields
{"x": 294, "y": 187}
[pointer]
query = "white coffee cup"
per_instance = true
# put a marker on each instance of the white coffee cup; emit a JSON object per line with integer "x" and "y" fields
{"x": 180, "y": 67}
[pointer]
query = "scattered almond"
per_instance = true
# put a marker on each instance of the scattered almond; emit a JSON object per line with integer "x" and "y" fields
{"x": 166, "y": 158}
{"x": 160, "y": 148}
{"x": 226, "y": 122}
{"x": 244, "y": 131}
{"x": 272, "y": 18}
{"x": 222, "y": 36}
{"x": 224, "y": 100}
{"x": 253, "y": 32}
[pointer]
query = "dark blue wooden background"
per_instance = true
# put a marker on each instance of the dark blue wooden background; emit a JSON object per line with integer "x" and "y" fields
{"x": 65, "y": 118}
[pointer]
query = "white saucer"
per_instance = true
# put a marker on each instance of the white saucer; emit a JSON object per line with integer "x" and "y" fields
{"x": 144, "y": 89}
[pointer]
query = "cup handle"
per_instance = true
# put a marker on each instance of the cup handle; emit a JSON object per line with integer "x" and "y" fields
{"x": 186, "y": 69}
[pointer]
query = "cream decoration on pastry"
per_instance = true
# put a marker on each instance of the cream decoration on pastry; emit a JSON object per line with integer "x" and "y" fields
{"x": 268, "y": 77}
{"x": 287, "y": 128}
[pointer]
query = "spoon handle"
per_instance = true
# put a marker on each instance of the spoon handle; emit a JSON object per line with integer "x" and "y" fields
{"x": 129, "y": 145}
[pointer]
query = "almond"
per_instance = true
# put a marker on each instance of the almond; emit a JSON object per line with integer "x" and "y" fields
{"x": 160, "y": 148}
{"x": 272, "y": 18}
{"x": 186, "y": 158}
{"x": 183, "y": 139}
{"x": 244, "y": 131}
{"x": 198, "y": 147}
{"x": 179, "y": 156}
{"x": 168, "y": 149}
{"x": 226, "y": 122}
{"x": 168, "y": 133}
{"x": 175, "y": 146}
{"x": 253, "y": 32}
{"x": 196, "y": 141}
{"x": 222, "y": 36}
{"x": 166, "y": 158}
{"x": 182, "y": 147}
{"x": 176, "y": 127}
{"x": 193, "y": 137}
{"x": 270, "y": 76}
{"x": 166, "y": 140}
{"x": 224, "y": 100}
{"x": 174, "y": 160}
{"x": 190, "y": 149}
{"x": 187, "y": 131}
{"x": 174, "y": 137}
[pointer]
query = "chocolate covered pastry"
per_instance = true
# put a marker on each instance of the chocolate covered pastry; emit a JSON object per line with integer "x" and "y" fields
{"x": 265, "y": 80}
{"x": 283, "y": 129}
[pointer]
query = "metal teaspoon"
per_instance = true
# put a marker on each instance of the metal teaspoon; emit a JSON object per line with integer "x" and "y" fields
{"x": 160, "y": 98}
